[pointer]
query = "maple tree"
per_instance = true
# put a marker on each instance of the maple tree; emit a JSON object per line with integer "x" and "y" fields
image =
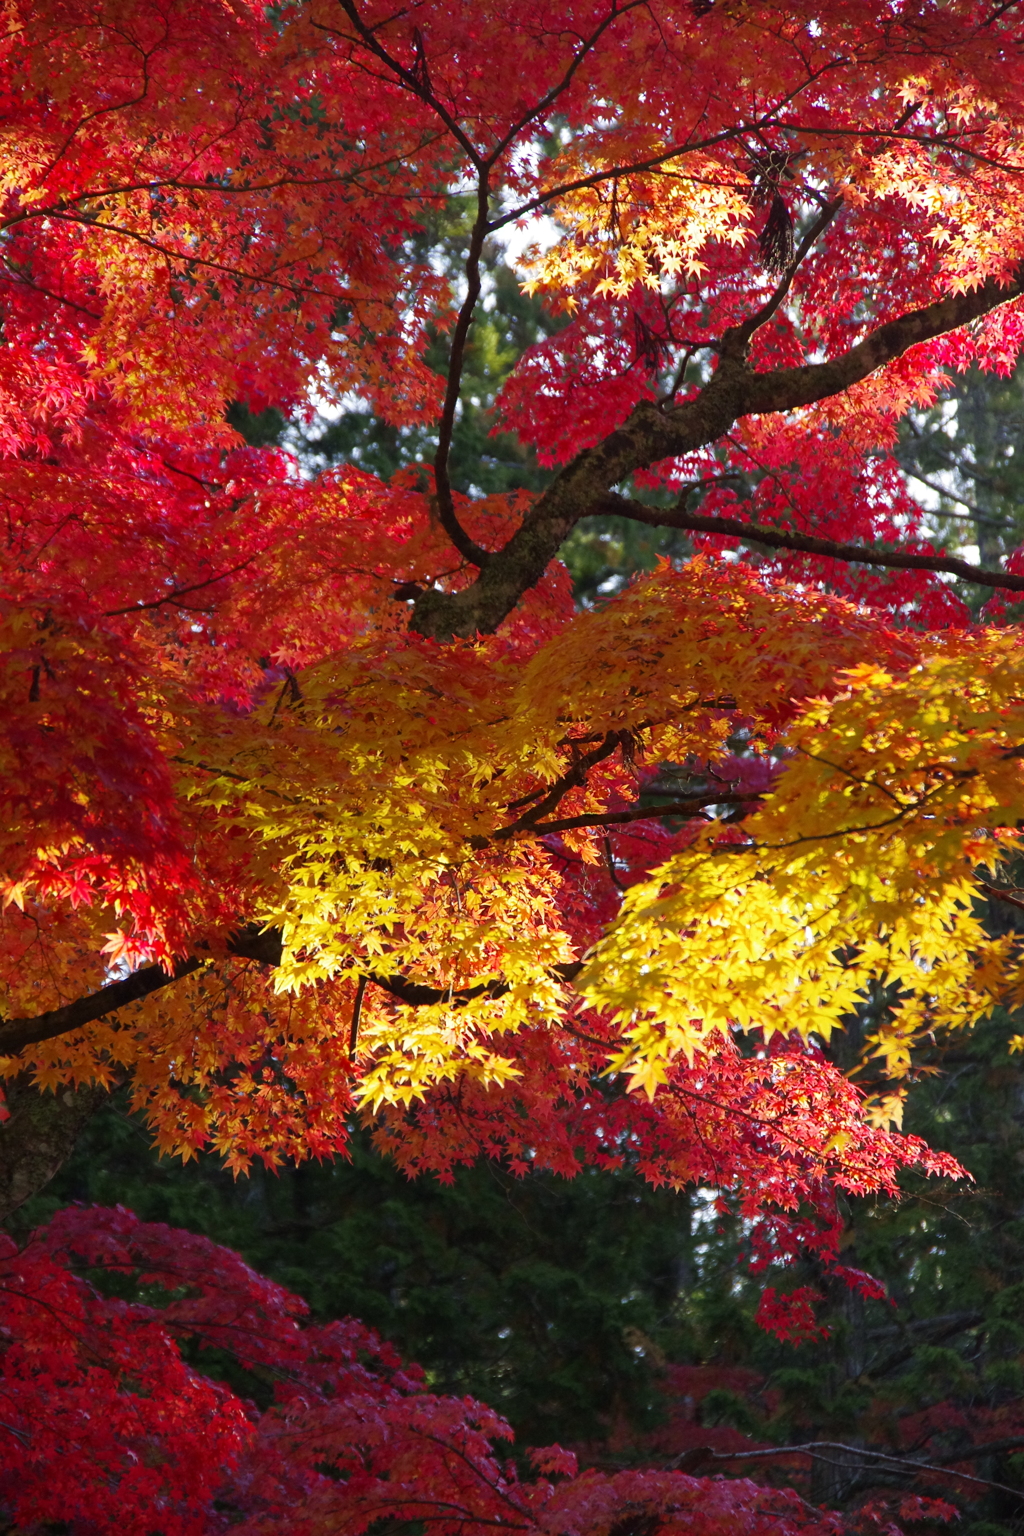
{"x": 319, "y": 797}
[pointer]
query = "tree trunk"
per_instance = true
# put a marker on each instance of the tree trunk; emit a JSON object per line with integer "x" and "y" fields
{"x": 39, "y": 1136}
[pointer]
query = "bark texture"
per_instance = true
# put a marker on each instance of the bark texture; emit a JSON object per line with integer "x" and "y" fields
{"x": 40, "y": 1136}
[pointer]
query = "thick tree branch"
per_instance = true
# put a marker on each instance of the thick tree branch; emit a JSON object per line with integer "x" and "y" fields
{"x": 809, "y": 544}
{"x": 789, "y": 388}
{"x": 16, "y": 1034}
{"x": 650, "y": 435}
{"x": 422, "y": 996}
{"x": 248, "y": 944}
{"x": 688, "y": 807}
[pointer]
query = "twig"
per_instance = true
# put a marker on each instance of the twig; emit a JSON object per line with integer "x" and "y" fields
{"x": 812, "y": 1447}
{"x": 357, "y": 1008}
{"x": 176, "y": 592}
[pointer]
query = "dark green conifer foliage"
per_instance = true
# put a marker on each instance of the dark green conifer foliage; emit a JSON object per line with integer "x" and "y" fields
{"x": 966, "y": 454}
{"x": 934, "y": 1370}
{"x": 546, "y": 1297}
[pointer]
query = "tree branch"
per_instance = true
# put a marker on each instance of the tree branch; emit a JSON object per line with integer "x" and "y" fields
{"x": 15, "y": 1034}
{"x": 789, "y": 388}
{"x": 703, "y": 1454}
{"x": 651, "y": 434}
{"x": 420, "y": 995}
{"x": 1014, "y": 898}
{"x": 466, "y": 546}
{"x": 248, "y": 944}
{"x": 687, "y": 807}
{"x": 806, "y": 543}
{"x": 178, "y": 592}
{"x": 574, "y": 777}
{"x": 416, "y": 81}
{"x": 740, "y": 335}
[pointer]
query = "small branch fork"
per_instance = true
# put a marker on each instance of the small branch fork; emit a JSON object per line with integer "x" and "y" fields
{"x": 417, "y": 80}
{"x": 737, "y": 339}
{"x": 574, "y": 777}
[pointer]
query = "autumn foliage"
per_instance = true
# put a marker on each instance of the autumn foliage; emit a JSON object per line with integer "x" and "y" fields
{"x": 348, "y": 1437}
{"x": 321, "y": 799}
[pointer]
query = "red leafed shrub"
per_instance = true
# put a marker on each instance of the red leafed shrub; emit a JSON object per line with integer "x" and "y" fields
{"x": 109, "y": 1427}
